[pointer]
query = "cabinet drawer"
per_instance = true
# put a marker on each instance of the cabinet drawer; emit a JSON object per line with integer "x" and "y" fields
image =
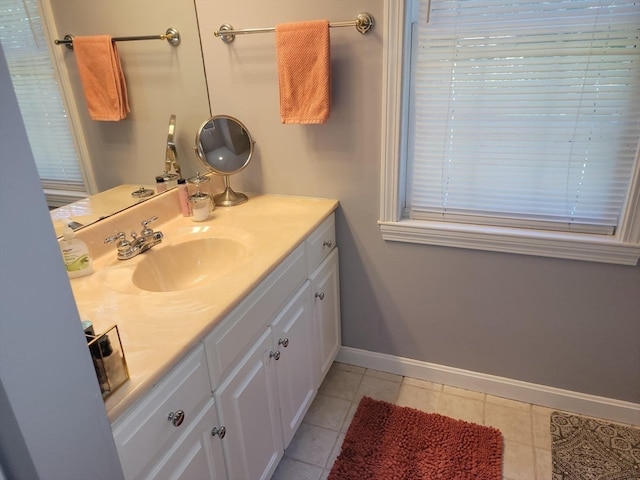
{"x": 143, "y": 431}
{"x": 231, "y": 339}
{"x": 320, "y": 243}
{"x": 195, "y": 455}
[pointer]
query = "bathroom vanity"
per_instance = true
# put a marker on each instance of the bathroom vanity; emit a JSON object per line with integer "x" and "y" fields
{"x": 224, "y": 370}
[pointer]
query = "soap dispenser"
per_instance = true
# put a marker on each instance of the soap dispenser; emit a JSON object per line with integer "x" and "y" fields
{"x": 75, "y": 253}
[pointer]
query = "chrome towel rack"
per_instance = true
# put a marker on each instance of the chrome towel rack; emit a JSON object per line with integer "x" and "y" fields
{"x": 172, "y": 36}
{"x": 363, "y": 23}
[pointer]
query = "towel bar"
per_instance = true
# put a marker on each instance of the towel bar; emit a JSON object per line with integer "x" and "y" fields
{"x": 171, "y": 35}
{"x": 363, "y": 23}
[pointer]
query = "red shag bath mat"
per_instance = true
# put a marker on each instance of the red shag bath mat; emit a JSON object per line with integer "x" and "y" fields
{"x": 388, "y": 442}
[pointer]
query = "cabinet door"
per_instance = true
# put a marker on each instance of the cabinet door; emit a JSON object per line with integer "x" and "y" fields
{"x": 197, "y": 454}
{"x": 325, "y": 295}
{"x": 247, "y": 405}
{"x": 293, "y": 339}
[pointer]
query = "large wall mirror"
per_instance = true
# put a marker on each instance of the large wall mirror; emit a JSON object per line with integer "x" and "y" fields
{"x": 162, "y": 80}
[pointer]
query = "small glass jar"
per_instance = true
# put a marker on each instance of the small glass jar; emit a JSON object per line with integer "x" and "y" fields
{"x": 201, "y": 206}
{"x": 199, "y": 184}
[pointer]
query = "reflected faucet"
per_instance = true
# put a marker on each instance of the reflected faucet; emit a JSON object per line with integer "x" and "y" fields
{"x": 138, "y": 244}
{"x": 171, "y": 155}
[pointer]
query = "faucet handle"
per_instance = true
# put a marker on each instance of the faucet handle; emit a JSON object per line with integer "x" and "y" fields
{"x": 118, "y": 236}
{"x": 145, "y": 226}
{"x": 123, "y": 246}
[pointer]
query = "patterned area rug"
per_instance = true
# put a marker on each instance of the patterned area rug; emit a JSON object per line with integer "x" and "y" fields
{"x": 588, "y": 449}
{"x": 388, "y": 442}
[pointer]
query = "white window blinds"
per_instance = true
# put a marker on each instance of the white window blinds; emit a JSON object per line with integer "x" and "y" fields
{"x": 524, "y": 113}
{"x": 27, "y": 52}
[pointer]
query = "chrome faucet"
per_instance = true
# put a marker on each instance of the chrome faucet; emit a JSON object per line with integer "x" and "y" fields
{"x": 171, "y": 155}
{"x": 138, "y": 244}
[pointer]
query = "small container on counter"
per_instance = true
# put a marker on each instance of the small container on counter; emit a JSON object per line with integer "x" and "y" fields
{"x": 161, "y": 186}
{"x": 199, "y": 184}
{"x": 108, "y": 358}
{"x": 201, "y": 206}
{"x": 76, "y": 255}
{"x": 183, "y": 197}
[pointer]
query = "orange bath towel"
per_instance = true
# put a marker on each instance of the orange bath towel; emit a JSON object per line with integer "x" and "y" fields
{"x": 102, "y": 77}
{"x": 304, "y": 71}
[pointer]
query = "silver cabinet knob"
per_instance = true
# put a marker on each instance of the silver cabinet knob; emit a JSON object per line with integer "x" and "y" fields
{"x": 219, "y": 431}
{"x": 327, "y": 243}
{"x": 320, "y": 295}
{"x": 275, "y": 355}
{"x": 176, "y": 418}
{"x": 284, "y": 342}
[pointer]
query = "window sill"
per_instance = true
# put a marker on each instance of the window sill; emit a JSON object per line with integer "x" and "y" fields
{"x": 593, "y": 248}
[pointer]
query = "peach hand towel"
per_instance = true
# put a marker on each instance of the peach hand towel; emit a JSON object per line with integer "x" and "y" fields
{"x": 304, "y": 71}
{"x": 102, "y": 77}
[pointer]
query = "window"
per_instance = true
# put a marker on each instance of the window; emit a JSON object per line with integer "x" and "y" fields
{"x": 522, "y": 127}
{"x": 27, "y": 51}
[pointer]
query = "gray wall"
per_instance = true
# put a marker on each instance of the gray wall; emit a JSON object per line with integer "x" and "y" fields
{"x": 568, "y": 324}
{"x": 54, "y": 424}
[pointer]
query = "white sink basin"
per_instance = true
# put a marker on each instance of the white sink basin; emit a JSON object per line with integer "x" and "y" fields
{"x": 187, "y": 264}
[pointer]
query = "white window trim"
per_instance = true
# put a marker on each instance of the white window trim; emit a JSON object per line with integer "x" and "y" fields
{"x": 77, "y": 131}
{"x": 622, "y": 248}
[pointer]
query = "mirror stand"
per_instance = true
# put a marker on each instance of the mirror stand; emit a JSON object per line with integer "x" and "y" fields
{"x": 229, "y": 198}
{"x": 225, "y": 147}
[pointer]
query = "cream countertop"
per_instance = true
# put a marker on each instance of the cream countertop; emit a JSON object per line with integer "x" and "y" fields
{"x": 159, "y": 328}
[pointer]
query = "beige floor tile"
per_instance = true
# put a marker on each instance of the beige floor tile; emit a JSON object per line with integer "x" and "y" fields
{"x": 348, "y": 368}
{"x": 383, "y": 375}
{"x": 514, "y": 424}
{"x": 462, "y": 408}
{"x": 289, "y": 469}
{"x": 349, "y": 417}
{"x": 461, "y": 392}
{"x": 414, "y": 382}
{"x": 312, "y": 444}
{"x": 378, "y": 389}
{"x": 543, "y": 464}
{"x": 337, "y": 448}
{"x": 328, "y": 412}
{"x": 419, "y": 398}
{"x": 341, "y": 384}
{"x": 538, "y": 410}
{"x": 542, "y": 430}
{"x": 519, "y": 463}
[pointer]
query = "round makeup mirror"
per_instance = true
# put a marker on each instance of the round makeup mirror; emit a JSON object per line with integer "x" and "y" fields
{"x": 224, "y": 146}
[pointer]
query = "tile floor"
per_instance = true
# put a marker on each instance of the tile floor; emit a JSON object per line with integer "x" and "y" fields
{"x": 310, "y": 456}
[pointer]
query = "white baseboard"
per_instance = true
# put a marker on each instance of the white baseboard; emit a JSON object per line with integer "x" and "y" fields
{"x": 557, "y": 398}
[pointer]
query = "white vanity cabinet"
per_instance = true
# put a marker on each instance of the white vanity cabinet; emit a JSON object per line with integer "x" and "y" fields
{"x": 197, "y": 454}
{"x": 168, "y": 433}
{"x": 325, "y": 291}
{"x": 262, "y": 401}
{"x": 229, "y": 409}
{"x": 247, "y": 402}
{"x": 293, "y": 337}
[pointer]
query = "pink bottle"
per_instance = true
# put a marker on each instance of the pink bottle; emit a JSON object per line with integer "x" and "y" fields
{"x": 183, "y": 196}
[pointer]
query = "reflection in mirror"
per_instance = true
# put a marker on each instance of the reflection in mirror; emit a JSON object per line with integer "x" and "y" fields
{"x": 103, "y": 204}
{"x": 224, "y": 146}
{"x": 171, "y": 156}
{"x": 96, "y": 207}
{"x": 108, "y": 153}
